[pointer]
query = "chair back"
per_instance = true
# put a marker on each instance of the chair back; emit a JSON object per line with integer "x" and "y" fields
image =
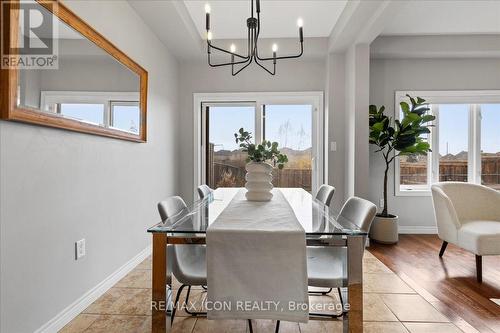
{"x": 325, "y": 194}
{"x": 359, "y": 211}
{"x": 470, "y": 201}
{"x": 171, "y": 206}
{"x": 204, "y": 191}
{"x": 179, "y": 256}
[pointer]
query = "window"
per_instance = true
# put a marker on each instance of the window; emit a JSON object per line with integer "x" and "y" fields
{"x": 490, "y": 145}
{"x": 464, "y": 141}
{"x": 125, "y": 116}
{"x": 225, "y": 163}
{"x": 295, "y": 120}
{"x": 89, "y": 113}
{"x": 291, "y": 126}
{"x": 453, "y": 125}
{"x": 115, "y": 110}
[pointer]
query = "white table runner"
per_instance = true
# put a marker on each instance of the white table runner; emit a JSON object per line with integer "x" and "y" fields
{"x": 256, "y": 262}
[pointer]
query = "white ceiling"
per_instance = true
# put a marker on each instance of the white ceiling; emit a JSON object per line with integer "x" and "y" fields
{"x": 278, "y": 17}
{"x": 445, "y": 17}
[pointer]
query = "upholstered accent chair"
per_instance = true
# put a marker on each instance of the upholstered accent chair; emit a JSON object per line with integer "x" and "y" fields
{"x": 468, "y": 216}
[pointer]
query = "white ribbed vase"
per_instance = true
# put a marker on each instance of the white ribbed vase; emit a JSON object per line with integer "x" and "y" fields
{"x": 259, "y": 181}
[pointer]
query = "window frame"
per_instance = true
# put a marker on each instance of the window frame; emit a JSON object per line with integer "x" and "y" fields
{"x": 474, "y": 98}
{"x": 9, "y": 78}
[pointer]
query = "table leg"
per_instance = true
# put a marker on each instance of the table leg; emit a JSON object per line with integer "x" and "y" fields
{"x": 159, "y": 303}
{"x": 353, "y": 321}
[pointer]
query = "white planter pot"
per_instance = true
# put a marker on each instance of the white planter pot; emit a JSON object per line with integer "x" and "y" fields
{"x": 259, "y": 185}
{"x": 384, "y": 230}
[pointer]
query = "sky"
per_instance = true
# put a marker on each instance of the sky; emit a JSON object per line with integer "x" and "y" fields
{"x": 124, "y": 116}
{"x": 490, "y": 128}
{"x": 454, "y": 128}
{"x": 290, "y": 125}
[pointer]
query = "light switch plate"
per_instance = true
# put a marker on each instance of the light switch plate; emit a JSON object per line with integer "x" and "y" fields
{"x": 333, "y": 146}
{"x": 80, "y": 250}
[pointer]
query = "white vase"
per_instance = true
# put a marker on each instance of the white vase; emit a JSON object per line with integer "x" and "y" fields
{"x": 259, "y": 181}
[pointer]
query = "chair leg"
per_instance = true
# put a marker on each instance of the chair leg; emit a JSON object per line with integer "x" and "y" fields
{"x": 250, "y": 326}
{"x": 443, "y": 248}
{"x": 174, "y": 309}
{"x": 340, "y": 298}
{"x": 277, "y": 327}
{"x": 323, "y": 293}
{"x": 327, "y": 315}
{"x": 192, "y": 313}
{"x": 479, "y": 268}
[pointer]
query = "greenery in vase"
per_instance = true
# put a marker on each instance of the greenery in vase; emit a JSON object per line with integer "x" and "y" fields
{"x": 266, "y": 151}
{"x": 402, "y": 137}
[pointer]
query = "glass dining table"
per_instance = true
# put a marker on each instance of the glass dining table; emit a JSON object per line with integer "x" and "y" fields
{"x": 323, "y": 227}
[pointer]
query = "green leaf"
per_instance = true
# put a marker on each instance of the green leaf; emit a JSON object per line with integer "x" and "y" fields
{"x": 404, "y": 107}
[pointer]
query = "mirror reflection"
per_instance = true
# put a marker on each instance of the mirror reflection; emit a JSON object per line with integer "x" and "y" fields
{"x": 88, "y": 84}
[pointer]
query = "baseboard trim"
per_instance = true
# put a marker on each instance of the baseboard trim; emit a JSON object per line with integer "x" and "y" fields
{"x": 417, "y": 229}
{"x": 70, "y": 312}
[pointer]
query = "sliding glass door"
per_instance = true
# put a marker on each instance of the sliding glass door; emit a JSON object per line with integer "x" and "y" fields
{"x": 291, "y": 126}
{"x": 224, "y": 161}
{"x": 293, "y": 123}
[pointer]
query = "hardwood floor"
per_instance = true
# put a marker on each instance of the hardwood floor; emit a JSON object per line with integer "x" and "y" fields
{"x": 449, "y": 283}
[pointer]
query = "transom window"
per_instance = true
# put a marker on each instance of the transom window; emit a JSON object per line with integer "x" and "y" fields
{"x": 116, "y": 110}
{"x": 465, "y": 142}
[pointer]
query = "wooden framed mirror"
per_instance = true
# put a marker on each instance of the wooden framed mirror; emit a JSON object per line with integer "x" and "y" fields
{"x": 57, "y": 71}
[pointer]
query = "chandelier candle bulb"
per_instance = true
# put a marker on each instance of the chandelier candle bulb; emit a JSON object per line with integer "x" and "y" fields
{"x": 233, "y": 49}
{"x": 209, "y": 35}
{"x": 207, "y": 16}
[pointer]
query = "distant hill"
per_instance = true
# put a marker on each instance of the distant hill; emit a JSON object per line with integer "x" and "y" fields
{"x": 296, "y": 158}
{"x": 463, "y": 155}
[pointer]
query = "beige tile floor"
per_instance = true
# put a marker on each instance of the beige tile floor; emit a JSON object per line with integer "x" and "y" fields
{"x": 390, "y": 305}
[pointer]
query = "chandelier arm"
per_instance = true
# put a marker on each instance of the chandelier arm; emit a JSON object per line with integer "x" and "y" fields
{"x": 242, "y": 68}
{"x": 285, "y": 57}
{"x": 267, "y": 70}
{"x": 226, "y": 63}
{"x": 226, "y": 51}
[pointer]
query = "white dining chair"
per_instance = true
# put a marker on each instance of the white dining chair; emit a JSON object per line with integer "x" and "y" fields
{"x": 325, "y": 264}
{"x": 468, "y": 215}
{"x": 325, "y": 194}
{"x": 204, "y": 191}
{"x": 188, "y": 262}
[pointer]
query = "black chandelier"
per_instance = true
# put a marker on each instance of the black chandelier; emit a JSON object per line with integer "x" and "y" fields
{"x": 253, "y": 25}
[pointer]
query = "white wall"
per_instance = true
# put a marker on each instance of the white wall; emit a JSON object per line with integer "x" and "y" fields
{"x": 389, "y": 75}
{"x": 198, "y": 77}
{"x": 59, "y": 186}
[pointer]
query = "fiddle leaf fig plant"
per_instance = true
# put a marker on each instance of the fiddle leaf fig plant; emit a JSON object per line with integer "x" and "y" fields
{"x": 266, "y": 151}
{"x": 403, "y": 137}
